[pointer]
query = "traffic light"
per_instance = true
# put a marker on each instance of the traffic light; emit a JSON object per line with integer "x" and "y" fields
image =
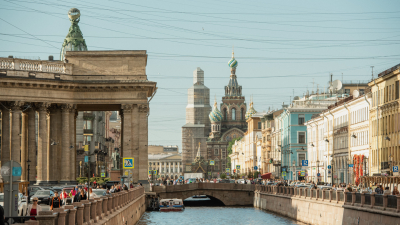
{"x": 299, "y": 173}
{"x": 234, "y": 170}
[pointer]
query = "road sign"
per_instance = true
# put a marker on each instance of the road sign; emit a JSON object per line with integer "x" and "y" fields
{"x": 227, "y": 173}
{"x": 329, "y": 167}
{"x": 128, "y": 163}
{"x": 86, "y": 148}
{"x": 395, "y": 169}
{"x": 15, "y": 170}
{"x": 302, "y": 173}
{"x": 283, "y": 174}
{"x": 103, "y": 174}
{"x": 86, "y": 158}
{"x": 238, "y": 167}
{"x": 228, "y": 170}
{"x": 209, "y": 173}
{"x": 155, "y": 172}
{"x": 212, "y": 162}
{"x": 259, "y": 175}
{"x": 283, "y": 169}
{"x": 335, "y": 176}
{"x": 351, "y": 165}
{"x": 318, "y": 174}
{"x": 126, "y": 172}
{"x": 304, "y": 162}
{"x": 255, "y": 168}
{"x": 306, "y": 174}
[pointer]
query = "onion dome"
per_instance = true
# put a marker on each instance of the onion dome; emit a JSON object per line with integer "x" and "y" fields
{"x": 215, "y": 114}
{"x": 74, "y": 40}
{"x": 233, "y": 63}
{"x": 251, "y": 111}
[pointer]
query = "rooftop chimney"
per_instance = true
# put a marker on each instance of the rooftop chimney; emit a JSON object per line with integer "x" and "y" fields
{"x": 10, "y": 56}
{"x": 51, "y": 58}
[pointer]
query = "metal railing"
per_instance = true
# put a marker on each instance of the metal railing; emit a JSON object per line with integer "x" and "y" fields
{"x": 379, "y": 200}
{"x": 367, "y": 199}
{"x": 358, "y": 198}
{"x": 349, "y": 197}
{"x": 392, "y": 201}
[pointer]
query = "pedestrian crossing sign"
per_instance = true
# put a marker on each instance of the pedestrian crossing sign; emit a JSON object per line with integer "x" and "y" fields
{"x": 86, "y": 148}
{"x": 155, "y": 172}
{"x": 238, "y": 167}
{"x": 228, "y": 170}
{"x": 212, "y": 162}
{"x": 128, "y": 163}
{"x": 103, "y": 174}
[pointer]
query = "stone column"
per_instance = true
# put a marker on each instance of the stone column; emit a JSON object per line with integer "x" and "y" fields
{"x": 65, "y": 153}
{"x": 93, "y": 210}
{"x": 58, "y": 146}
{"x": 165, "y": 168}
{"x": 79, "y": 213}
{"x": 24, "y": 148}
{"x": 109, "y": 205}
{"x": 143, "y": 148}
{"x": 72, "y": 151}
{"x": 99, "y": 208}
{"x": 42, "y": 143}
{"x": 127, "y": 143}
{"x": 15, "y": 131}
{"x": 71, "y": 215}
{"x": 32, "y": 144}
{"x": 86, "y": 211}
{"x": 52, "y": 166}
{"x": 5, "y": 134}
{"x": 105, "y": 206}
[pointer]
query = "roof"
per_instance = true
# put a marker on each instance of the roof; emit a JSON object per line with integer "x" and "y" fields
{"x": 164, "y": 156}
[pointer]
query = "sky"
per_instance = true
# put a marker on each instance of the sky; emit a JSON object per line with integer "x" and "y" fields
{"x": 283, "y": 48}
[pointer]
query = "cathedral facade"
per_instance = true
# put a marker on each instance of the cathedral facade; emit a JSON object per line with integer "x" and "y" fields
{"x": 226, "y": 124}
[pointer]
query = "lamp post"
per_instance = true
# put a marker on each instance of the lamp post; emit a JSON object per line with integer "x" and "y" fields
{"x": 80, "y": 166}
{"x": 29, "y": 164}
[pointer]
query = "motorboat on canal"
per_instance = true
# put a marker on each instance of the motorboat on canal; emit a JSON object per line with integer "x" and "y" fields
{"x": 174, "y": 204}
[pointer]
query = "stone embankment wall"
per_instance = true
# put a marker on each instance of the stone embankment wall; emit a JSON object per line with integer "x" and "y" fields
{"x": 325, "y": 207}
{"x": 125, "y": 207}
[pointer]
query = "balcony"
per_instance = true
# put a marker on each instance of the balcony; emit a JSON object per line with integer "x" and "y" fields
{"x": 88, "y": 116}
{"x": 87, "y": 131}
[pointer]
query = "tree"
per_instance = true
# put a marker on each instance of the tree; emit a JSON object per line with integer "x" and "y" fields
{"x": 222, "y": 176}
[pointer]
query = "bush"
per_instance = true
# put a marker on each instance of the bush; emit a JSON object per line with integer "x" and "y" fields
{"x": 222, "y": 176}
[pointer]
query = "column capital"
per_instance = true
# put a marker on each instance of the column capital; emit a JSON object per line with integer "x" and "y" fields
{"x": 66, "y": 107}
{"x": 16, "y": 105}
{"x": 127, "y": 108}
{"x": 42, "y": 106}
{"x": 143, "y": 108}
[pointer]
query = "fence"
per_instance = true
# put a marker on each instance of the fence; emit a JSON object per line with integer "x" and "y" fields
{"x": 370, "y": 200}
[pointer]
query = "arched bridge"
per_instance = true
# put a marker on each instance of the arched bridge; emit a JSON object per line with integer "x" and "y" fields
{"x": 229, "y": 194}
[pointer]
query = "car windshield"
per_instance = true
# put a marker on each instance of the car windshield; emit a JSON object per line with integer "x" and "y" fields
{"x": 43, "y": 192}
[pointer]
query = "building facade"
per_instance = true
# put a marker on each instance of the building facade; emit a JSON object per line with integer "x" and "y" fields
{"x": 384, "y": 122}
{"x": 167, "y": 160}
{"x": 227, "y": 124}
{"x": 197, "y": 124}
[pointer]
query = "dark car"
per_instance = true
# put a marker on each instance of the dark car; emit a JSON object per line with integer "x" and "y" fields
{"x": 44, "y": 196}
{"x": 32, "y": 190}
{"x": 111, "y": 183}
{"x": 224, "y": 181}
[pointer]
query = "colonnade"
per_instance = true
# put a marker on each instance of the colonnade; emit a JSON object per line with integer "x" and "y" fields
{"x": 44, "y": 134}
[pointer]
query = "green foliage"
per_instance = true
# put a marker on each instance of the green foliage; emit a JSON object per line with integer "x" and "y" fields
{"x": 81, "y": 180}
{"x": 222, "y": 176}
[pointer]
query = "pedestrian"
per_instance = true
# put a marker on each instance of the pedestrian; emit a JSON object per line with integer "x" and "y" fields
{"x": 92, "y": 195}
{"x": 55, "y": 201}
{"x": 1, "y": 215}
{"x": 125, "y": 187}
{"x": 82, "y": 196}
{"x": 33, "y": 208}
{"x": 395, "y": 191}
{"x": 387, "y": 191}
{"x": 64, "y": 197}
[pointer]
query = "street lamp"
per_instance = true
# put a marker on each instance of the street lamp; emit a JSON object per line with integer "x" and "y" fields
{"x": 29, "y": 164}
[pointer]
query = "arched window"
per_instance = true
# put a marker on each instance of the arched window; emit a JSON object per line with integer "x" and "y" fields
{"x": 225, "y": 116}
{"x": 233, "y": 114}
{"x": 242, "y": 114}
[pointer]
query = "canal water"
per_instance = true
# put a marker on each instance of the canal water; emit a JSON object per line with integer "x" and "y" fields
{"x": 215, "y": 215}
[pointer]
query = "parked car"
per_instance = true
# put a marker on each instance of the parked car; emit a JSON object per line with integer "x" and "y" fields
{"x": 22, "y": 204}
{"x": 33, "y": 189}
{"x": 44, "y": 196}
{"x": 223, "y": 181}
{"x": 99, "y": 192}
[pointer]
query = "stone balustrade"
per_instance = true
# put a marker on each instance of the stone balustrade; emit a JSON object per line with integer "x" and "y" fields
{"x": 35, "y": 65}
{"x": 93, "y": 211}
{"x": 388, "y": 203}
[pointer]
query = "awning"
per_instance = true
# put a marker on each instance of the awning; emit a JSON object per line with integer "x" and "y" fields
{"x": 266, "y": 176}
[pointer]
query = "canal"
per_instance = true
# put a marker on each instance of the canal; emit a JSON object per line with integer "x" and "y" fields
{"x": 215, "y": 215}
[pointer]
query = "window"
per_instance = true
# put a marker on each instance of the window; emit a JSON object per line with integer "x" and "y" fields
{"x": 301, "y": 158}
{"x": 362, "y": 91}
{"x": 242, "y": 114}
{"x": 216, "y": 152}
{"x": 302, "y": 137}
{"x": 390, "y": 93}
{"x": 347, "y": 91}
{"x": 216, "y": 166}
{"x": 225, "y": 117}
{"x": 301, "y": 119}
{"x": 397, "y": 89}
{"x": 233, "y": 114}
{"x": 259, "y": 125}
{"x": 87, "y": 124}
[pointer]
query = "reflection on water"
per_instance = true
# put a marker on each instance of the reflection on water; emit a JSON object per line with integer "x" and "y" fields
{"x": 215, "y": 215}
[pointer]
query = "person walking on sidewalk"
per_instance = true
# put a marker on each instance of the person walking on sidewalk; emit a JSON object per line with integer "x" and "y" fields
{"x": 55, "y": 201}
